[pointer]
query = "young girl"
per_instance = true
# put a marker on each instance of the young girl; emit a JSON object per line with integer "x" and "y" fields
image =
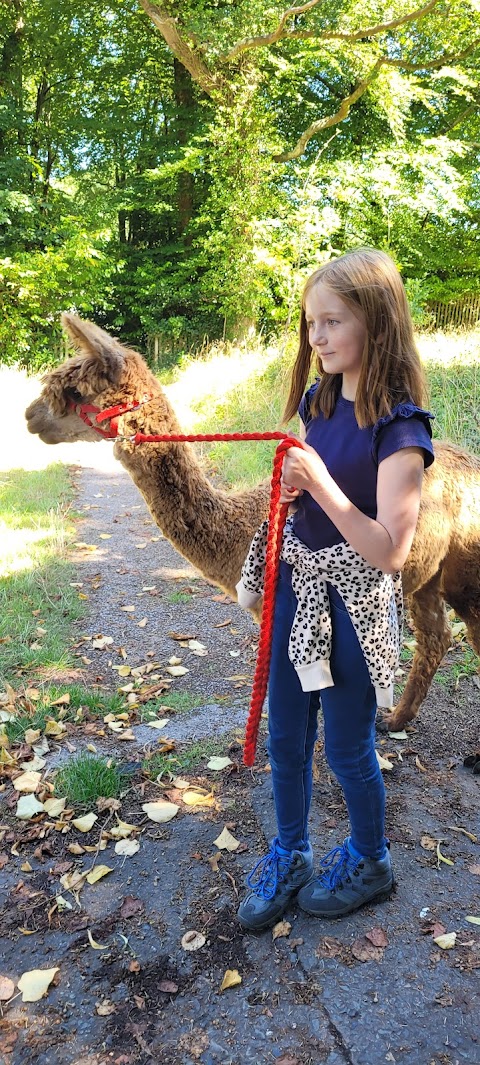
{"x": 357, "y": 489}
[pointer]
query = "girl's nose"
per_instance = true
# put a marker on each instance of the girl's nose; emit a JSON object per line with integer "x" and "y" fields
{"x": 318, "y": 338}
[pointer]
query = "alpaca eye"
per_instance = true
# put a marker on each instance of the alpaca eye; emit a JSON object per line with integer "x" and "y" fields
{"x": 73, "y": 394}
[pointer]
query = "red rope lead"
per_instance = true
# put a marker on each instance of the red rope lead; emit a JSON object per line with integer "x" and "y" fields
{"x": 276, "y": 523}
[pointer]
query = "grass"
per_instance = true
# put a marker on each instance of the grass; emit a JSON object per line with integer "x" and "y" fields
{"x": 95, "y": 701}
{"x": 159, "y": 765}
{"x": 37, "y": 603}
{"x": 178, "y": 597}
{"x": 181, "y": 702}
{"x": 218, "y": 400}
{"x": 87, "y": 778}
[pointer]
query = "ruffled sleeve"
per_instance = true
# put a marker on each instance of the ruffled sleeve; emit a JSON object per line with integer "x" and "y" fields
{"x": 406, "y": 426}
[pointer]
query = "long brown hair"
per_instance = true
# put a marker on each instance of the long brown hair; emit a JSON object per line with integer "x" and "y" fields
{"x": 391, "y": 373}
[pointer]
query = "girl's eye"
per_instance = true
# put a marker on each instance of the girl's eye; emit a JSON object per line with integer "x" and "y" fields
{"x": 332, "y": 321}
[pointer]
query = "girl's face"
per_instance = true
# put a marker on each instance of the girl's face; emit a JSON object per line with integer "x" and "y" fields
{"x": 336, "y": 335}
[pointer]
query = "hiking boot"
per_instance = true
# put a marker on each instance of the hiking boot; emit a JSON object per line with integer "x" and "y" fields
{"x": 274, "y": 881}
{"x": 347, "y": 881}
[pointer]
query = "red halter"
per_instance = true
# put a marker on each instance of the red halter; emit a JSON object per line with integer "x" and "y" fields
{"x": 113, "y": 413}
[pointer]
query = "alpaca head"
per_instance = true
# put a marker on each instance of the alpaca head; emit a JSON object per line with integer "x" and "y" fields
{"x": 102, "y": 372}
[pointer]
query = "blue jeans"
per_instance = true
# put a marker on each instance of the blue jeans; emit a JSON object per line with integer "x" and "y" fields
{"x": 349, "y": 710}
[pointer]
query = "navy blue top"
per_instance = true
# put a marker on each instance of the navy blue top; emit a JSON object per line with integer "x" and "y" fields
{"x": 352, "y": 456}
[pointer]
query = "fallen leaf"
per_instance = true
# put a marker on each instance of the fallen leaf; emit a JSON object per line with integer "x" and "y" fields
{"x": 141, "y": 624}
{"x": 131, "y": 906}
{"x": 213, "y": 862}
{"x": 54, "y": 807}
{"x": 33, "y": 765}
{"x": 473, "y": 920}
{"x": 127, "y": 847}
{"x": 122, "y": 829}
{"x": 219, "y": 763}
{"x": 420, "y": 765}
{"x": 457, "y": 828}
{"x": 196, "y": 797}
{"x": 85, "y": 823}
{"x": 54, "y": 728}
{"x": 447, "y": 941}
{"x": 475, "y": 869}
{"x": 281, "y": 929}
{"x": 94, "y": 944}
{"x": 398, "y": 735}
{"x": 63, "y": 700}
{"x": 378, "y": 937}
{"x": 7, "y": 988}
{"x": 363, "y": 950}
{"x": 28, "y": 806}
{"x": 428, "y": 843}
{"x": 441, "y": 858}
{"x": 160, "y": 811}
{"x": 193, "y": 940}
{"x": 32, "y": 735}
{"x": 26, "y": 867}
{"x": 27, "y": 782}
{"x": 35, "y": 983}
{"x": 231, "y": 978}
{"x": 105, "y": 1008}
{"x": 105, "y": 536}
{"x": 100, "y": 642}
{"x": 225, "y": 841}
{"x": 176, "y": 671}
{"x": 97, "y": 873}
{"x": 158, "y": 722}
{"x": 383, "y": 762}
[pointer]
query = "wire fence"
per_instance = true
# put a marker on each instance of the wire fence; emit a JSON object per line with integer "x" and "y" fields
{"x": 463, "y": 313}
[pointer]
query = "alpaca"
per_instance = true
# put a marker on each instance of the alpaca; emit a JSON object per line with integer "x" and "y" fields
{"x": 213, "y": 528}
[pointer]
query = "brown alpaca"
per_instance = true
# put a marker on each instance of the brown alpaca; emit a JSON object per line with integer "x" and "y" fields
{"x": 213, "y": 528}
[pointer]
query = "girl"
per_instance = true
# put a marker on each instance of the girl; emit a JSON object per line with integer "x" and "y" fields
{"x": 357, "y": 489}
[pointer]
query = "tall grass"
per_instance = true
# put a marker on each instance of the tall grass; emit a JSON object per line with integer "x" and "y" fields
{"x": 218, "y": 398}
{"x": 37, "y": 603}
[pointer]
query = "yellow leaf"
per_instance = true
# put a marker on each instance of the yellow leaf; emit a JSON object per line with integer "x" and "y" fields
{"x": 225, "y": 841}
{"x": 26, "y": 867}
{"x": 123, "y": 671}
{"x": 383, "y": 762}
{"x": 142, "y": 623}
{"x": 97, "y": 873}
{"x": 122, "y": 829}
{"x": 473, "y": 920}
{"x": 176, "y": 671}
{"x": 218, "y": 763}
{"x": 447, "y": 941}
{"x": 441, "y": 858}
{"x": 282, "y": 928}
{"x": 85, "y": 823}
{"x": 82, "y": 546}
{"x": 195, "y": 797}
{"x": 105, "y": 536}
{"x": 129, "y": 609}
{"x": 160, "y": 811}
{"x": 54, "y": 728}
{"x": 75, "y": 848}
{"x": 32, "y": 735}
{"x": 63, "y": 700}
{"x": 27, "y": 781}
{"x": 94, "y": 944}
{"x": 6, "y": 758}
{"x": 100, "y": 642}
{"x": 35, "y": 983}
{"x": 420, "y": 765}
{"x": 55, "y": 807}
{"x": 232, "y": 978}
{"x": 158, "y": 722}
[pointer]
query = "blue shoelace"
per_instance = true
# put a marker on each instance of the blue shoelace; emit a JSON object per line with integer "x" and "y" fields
{"x": 268, "y": 873}
{"x": 338, "y": 865}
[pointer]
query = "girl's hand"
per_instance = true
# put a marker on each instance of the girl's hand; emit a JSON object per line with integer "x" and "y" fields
{"x": 302, "y": 470}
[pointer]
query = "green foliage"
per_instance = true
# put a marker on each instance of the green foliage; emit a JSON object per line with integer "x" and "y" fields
{"x": 162, "y": 191}
{"x": 87, "y": 778}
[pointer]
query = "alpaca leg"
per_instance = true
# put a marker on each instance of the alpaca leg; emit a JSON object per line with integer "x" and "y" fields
{"x": 433, "y": 635}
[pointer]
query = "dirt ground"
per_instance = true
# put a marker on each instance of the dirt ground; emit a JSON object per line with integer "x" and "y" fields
{"x": 369, "y": 989}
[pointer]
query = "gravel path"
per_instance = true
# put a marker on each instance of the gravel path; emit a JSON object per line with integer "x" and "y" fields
{"x": 140, "y": 590}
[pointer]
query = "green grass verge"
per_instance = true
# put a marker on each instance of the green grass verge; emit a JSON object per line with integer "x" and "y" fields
{"x": 87, "y": 778}
{"x": 37, "y": 603}
{"x": 174, "y": 763}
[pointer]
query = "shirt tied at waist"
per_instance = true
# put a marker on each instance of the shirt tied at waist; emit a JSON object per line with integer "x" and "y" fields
{"x": 372, "y": 598}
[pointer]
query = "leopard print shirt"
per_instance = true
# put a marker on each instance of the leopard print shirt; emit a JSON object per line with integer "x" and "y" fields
{"x": 373, "y": 600}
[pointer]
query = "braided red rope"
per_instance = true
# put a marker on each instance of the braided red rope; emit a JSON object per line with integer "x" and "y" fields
{"x": 276, "y": 522}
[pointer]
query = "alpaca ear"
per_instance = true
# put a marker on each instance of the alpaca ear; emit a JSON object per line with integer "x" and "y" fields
{"x": 103, "y": 356}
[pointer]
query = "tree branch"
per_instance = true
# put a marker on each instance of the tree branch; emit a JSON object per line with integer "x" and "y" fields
{"x": 331, "y": 120}
{"x": 213, "y": 84}
{"x": 347, "y": 103}
{"x": 324, "y": 35}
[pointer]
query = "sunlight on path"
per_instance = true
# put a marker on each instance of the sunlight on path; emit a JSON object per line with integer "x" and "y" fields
{"x": 20, "y": 450}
